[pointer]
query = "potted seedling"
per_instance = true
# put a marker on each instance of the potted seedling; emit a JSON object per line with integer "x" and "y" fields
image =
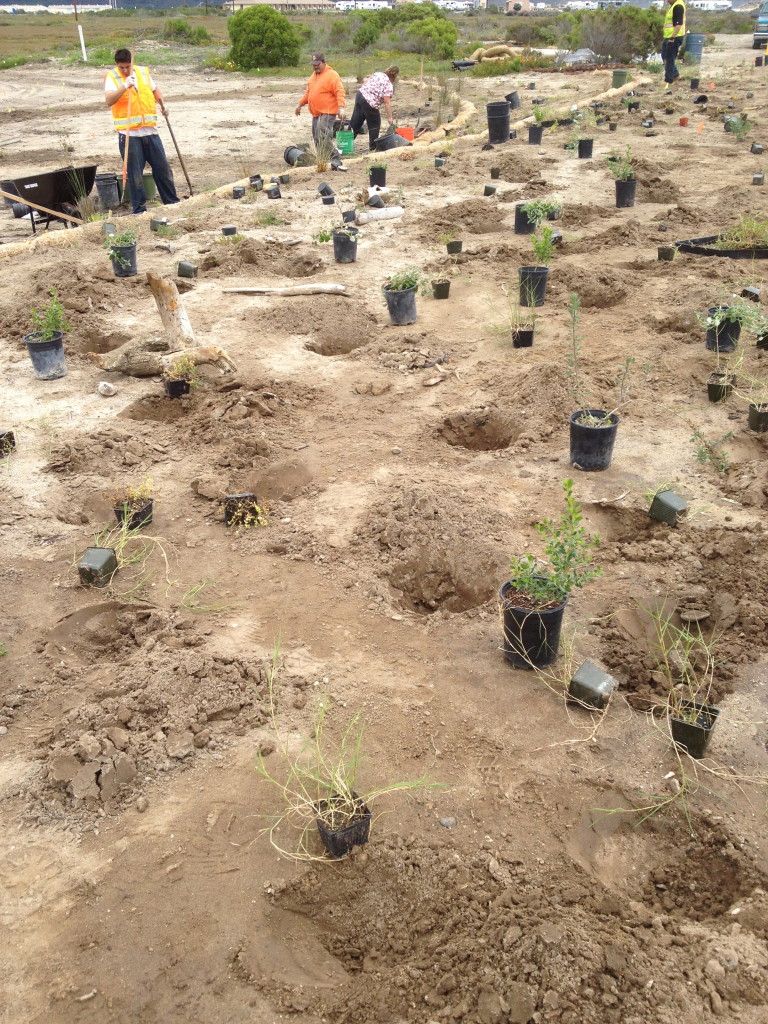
{"x": 666, "y": 506}
{"x": 583, "y": 135}
{"x": 180, "y": 377}
{"x": 624, "y": 173}
{"x": 529, "y": 215}
{"x": 534, "y": 597}
{"x": 441, "y": 288}
{"x": 400, "y": 295}
{"x": 377, "y": 173}
{"x": 533, "y": 280}
{"x": 754, "y": 391}
{"x": 243, "y": 512}
{"x": 724, "y": 323}
{"x": 133, "y": 504}
{"x": 592, "y": 431}
{"x": 121, "y": 249}
{"x": 320, "y": 783}
{"x": 45, "y": 344}
{"x": 721, "y": 380}
{"x": 452, "y": 244}
{"x": 519, "y": 322}
{"x": 685, "y": 661}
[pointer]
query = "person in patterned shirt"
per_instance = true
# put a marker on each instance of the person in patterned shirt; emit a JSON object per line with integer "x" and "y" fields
{"x": 375, "y": 90}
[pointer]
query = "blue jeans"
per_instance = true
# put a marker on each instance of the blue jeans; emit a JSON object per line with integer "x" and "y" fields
{"x": 147, "y": 149}
{"x": 669, "y": 48}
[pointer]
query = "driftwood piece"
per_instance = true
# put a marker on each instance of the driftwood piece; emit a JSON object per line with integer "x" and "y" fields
{"x": 296, "y": 289}
{"x": 150, "y": 357}
{"x": 172, "y": 312}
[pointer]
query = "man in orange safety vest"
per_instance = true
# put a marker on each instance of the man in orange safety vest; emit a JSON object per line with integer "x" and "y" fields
{"x": 133, "y": 97}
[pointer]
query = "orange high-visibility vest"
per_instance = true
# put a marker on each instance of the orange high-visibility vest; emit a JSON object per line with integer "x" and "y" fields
{"x": 143, "y": 108}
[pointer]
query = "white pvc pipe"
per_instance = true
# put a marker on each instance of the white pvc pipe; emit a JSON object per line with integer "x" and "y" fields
{"x": 365, "y": 217}
{"x": 82, "y": 41}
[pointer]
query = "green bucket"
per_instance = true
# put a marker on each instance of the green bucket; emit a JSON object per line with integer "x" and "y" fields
{"x": 619, "y": 78}
{"x": 345, "y": 142}
{"x": 150, "y": 189}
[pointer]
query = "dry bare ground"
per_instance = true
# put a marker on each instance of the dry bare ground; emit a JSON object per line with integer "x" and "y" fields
{"x": 137, "y": 884}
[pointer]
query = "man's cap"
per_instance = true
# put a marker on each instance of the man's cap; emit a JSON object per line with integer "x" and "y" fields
{"x": 318, "y": 58}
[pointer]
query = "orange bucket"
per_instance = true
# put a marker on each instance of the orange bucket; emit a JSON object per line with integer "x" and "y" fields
{"x": 407, "y": 133}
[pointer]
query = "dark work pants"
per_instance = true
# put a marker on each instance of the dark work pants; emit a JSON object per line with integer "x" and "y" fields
{"x": 669, "y": 48}
{"x": 362, "y": 113}
{"x": 147, "y": 149}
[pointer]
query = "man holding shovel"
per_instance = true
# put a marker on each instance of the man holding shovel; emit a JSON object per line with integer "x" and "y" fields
{"x": 131, "y": 93}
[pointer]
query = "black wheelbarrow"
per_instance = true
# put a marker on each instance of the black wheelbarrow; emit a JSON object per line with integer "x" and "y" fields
{"x": 60, "y": 191}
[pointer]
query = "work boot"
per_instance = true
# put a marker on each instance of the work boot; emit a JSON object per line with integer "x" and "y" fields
{"x": 337, "y": 165}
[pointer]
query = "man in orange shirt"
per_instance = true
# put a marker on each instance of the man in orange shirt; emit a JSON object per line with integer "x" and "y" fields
{"x": 325, "y": 97}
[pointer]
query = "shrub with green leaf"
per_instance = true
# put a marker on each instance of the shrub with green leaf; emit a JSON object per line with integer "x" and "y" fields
{"x": 262, "y": 38}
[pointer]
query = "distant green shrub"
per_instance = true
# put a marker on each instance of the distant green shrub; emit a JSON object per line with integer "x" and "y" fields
{"x": 180, "y": 31}
{"x": 262, "y": 38}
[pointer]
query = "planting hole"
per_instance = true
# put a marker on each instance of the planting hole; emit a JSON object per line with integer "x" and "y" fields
{"x": 479, "y": 430}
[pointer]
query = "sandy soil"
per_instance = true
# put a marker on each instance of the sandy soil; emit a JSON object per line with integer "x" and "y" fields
{"x": 137, "y": 884}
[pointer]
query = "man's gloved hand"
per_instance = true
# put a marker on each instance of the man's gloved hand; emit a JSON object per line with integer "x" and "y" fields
{"x": 130, "y": 82}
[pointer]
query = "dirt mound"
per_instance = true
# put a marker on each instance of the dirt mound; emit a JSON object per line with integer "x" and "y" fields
{"x": 597, "y": 290}
{"x": 425, "y": 932}
{"x": 269, "y": 258}
{"x": 335, "y": 325}
{"x": 469, "y": 217}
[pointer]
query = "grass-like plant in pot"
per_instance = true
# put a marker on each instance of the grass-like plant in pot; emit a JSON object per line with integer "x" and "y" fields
{"x": 685, "y": 659}
{"x": 400, "y": 294}
{"x": 754, "y": 390}
{"x": 534, "y": 597}
{"x": 377, "y": 172}
{"x": 319, "y": 782}
{"x": 519, "y": 322}
{"x": 592, "y": 431}
{"x": 133, "y": 504}
{"x": 749, "y": 232}
{"x": 180, "y": 376}
{"x": 623, "y": 170}
{"x": 533, "y": 280}
{"x": 45, "y": 343}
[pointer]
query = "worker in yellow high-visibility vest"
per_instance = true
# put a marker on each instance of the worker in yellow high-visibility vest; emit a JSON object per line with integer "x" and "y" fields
{"x": 146, "y": 146}
{"x": 674, "y": 33}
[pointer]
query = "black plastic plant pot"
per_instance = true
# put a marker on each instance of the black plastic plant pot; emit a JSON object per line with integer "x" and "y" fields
{"x": 498, "y": 122}
{"x": 348, "y": 216}
{"x": 695, "y": 84}
{"x": 531, "y": 639}
{"x": 229, "y": 230}
{"x": 667, "y": 507}
{"x": 328, "y": 200}
{"x": 495, "y": 172}
{"x": 613, "y": 126}
{"x": 273, "y": 192}
{"x": 401, "y": 305}
{"x": 665, "y": 252}
{"x": 341, "y": 842}
{"x": 724, "y": 337}
{"x": 454, "y": 247}
{"x": 238, "y": 192}
{"x": 719, "y": 386}
{"x": 134, "y": 519}
{"x": 441, "y": 289}
{"x": 345, "y": 245}
{"x": 156, "y": 223}
{"x": 633, "y": 105}
{"x": 237, "y": 506}
{"x": 513, "y": 100}
{"x": 522, "y": 337}
{"x": 377, "y": 176}
{"x": 375, "y": 202}
{"x": 693, "y": 736}
{"x": 523, "y": 226}
{"x": 186, "y": 269}
{"x": 489, "y": 190}
{"x": 533, "y": 285}
{"x": 590, "y": 685}
{"x": 592, "y": 447}
{"x": 124, "y": 261}
{"x": 535, "y": 133}
{"x": 585, "y": 149}
{"x": 47, "y": 355}
{"x": 176, "y": 388}
{"x": 292, "y": 155}
{"x": 555, "y": 214}
{"x": 7, "y": 443}
{"x": 256, "y": 182}
{"x": 439, "y": 161}
{"x": 625, "y": 193}
{"x": 324, "y": 189}
{"x": 757, "y": 417}
{"x": 97, "y": 567}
